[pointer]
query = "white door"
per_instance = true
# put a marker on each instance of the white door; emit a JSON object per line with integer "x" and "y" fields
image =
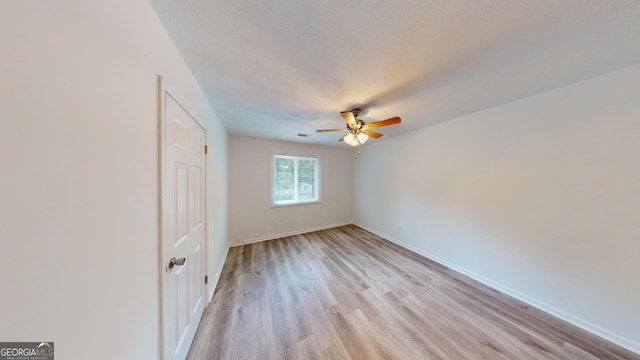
{"x": 183, "y": 226}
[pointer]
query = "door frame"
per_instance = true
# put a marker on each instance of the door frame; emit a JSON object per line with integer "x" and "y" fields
{"x": 162, "y": 90}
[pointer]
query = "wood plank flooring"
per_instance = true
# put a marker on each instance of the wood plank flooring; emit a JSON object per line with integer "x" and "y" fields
{"x": 345, "y": 293}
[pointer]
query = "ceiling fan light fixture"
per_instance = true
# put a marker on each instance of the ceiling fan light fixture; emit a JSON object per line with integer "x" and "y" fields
{"x": 355, "y": 139}
{"x": 362, "y": 138}
{"x": 350, "y": 139}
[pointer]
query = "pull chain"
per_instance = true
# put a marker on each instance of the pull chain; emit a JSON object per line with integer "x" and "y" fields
{"x": 358, "y": 150}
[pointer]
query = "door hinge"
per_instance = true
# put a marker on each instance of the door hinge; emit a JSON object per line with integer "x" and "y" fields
{"x": 206, "y": 279}
{"x": 206, "y": 149}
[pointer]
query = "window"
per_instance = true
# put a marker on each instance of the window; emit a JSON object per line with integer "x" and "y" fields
{"x": 295, "y": 180}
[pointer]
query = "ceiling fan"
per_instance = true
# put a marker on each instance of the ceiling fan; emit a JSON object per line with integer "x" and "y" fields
{"x": 359, "y": 131}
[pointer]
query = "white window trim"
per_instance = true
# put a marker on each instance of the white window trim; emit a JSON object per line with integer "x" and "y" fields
{"x": 317, "y": 185}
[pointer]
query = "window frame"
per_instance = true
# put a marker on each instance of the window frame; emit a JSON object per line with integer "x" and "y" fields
{"x": 317, "y": 182}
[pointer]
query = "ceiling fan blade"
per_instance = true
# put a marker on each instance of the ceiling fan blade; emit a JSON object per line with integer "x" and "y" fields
{"x": 342, "y": 138}
{"x": 331, "y": 130}
{"x": 377, "y": 124}
{"x": 373, "y": 134}
{"x": 349, "y": 118}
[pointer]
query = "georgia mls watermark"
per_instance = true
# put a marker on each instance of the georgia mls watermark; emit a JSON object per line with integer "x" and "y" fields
{"x": 26, "y": 350}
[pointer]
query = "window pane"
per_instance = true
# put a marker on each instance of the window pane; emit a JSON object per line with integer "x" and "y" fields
{"x": 295, "y": 180}
{"x": 306, "y": 181}
{"x": 284, "y": 187}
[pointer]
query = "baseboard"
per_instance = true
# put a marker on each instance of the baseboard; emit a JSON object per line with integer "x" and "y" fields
{"x": 572, "y": 319}
{"x": 290, "y": 233}
{"x": 216, "y": 277}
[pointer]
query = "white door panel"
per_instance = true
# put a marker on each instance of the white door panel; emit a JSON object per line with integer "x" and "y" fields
{"x": 183, "y": 227}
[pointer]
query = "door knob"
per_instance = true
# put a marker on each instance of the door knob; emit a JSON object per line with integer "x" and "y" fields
{"x": 173, "y": 262}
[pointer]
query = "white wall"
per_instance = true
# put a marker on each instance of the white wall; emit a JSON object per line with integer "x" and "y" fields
{"x": 251, "y": 217}
{"x": 539, "y": 198}
{"x": 79, "y": 179}
{"x": 217, "y": 202}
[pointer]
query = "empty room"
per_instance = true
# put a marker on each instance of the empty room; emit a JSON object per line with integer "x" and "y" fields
{"x": 245, "y": 179}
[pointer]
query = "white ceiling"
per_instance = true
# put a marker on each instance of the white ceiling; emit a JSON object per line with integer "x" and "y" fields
{"x": 277, "y": 68}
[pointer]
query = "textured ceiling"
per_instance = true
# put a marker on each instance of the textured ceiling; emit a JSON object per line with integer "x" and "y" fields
{"x": 277, "y": 68}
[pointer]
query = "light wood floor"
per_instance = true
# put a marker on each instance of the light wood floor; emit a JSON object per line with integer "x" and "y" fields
{"x": 345, "y": 293}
